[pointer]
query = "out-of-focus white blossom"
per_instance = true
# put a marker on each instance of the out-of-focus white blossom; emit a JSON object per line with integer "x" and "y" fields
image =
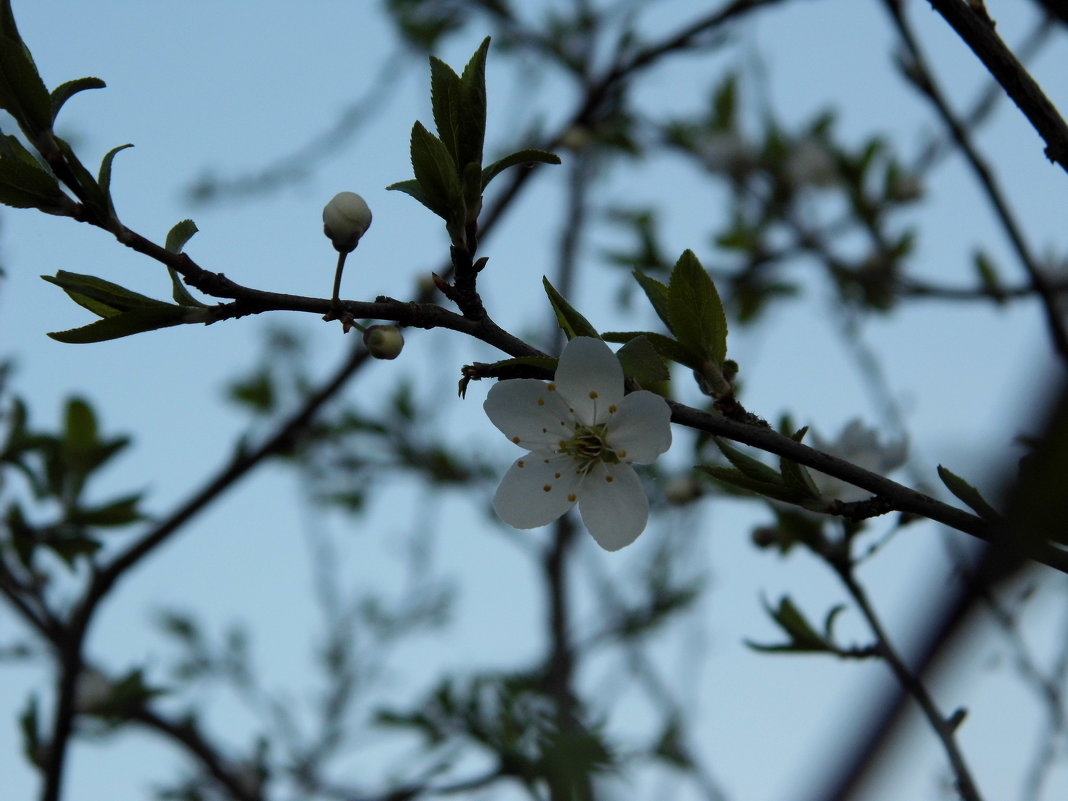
{"x": 811, "y": 163}
{"x": 859, "y": 445}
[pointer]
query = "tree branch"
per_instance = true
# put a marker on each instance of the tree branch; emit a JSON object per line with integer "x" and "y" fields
{"x": 977, "y": 31}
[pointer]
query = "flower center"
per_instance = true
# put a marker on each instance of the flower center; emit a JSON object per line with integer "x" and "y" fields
{"x": 589, "y": 445}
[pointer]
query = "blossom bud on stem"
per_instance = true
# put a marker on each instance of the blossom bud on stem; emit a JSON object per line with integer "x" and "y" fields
{"x": 383, "y": 341}
{"x": 346, "y": 218}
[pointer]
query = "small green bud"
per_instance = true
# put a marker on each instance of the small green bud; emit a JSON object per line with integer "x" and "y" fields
{"x": 345, "y": 219}
{"x": 383, "y": 341}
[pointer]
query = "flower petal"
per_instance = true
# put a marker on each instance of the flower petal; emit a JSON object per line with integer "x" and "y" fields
{"x": 537, "y": 489}
{"x": 613, "y": 505}
{"x": 641, "y": 428}
{"x": 590, "y": 379}
{"x": 529, "y": 413}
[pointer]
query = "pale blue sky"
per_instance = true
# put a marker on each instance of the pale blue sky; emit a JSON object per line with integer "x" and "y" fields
{"x": 230, "y": 86}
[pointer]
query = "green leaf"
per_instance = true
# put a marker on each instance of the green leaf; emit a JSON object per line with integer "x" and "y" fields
{"x": 12, "y": 148}
{"x": 657, "y": 294}
{"x": 181, "y": 233}
{"x": 180, "y": 294}
{"x": 697, "y": 317}
{"x": 65, "y": 91}
{"x": 22, "y": 92}
{"x": 437, "y": 177}
{"x": 27, "y": 186}
{"x": 105, "y": 175}
{"x": 101, "y": 294}
{"x": 94, "y": 195}
{"x": 665, "y": 346}
{"x": 446, "y": 101}
{"x": 135, "y": 321}
{"x": 642, "y": 362}
{"x": 177, "y": 238}
{"x": 472, "y": 130}
{"x": 7, "y": 21}
{"x": 968, "y": 494}
{"x": 571, "y": 322}
{"x": 528, "y": 156}
{"x": 411, "y": 187}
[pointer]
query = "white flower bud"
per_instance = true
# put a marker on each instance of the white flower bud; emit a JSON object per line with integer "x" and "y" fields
{"x": 383, "y": 341}
{"x": 345, "y": 219}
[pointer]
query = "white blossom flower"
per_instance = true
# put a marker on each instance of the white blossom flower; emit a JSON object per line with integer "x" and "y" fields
{"x": 860, "y": 445}
{"x": 583, "y": 434}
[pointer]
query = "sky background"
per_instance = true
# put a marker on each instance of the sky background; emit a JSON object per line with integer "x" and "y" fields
{"x": 224, "y": 88}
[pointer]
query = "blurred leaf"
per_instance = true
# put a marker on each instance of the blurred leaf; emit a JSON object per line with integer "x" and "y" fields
{"x": 179, "y": 625}
{"x": 571, "y": 322}
{"x": 803, "y": 638}
{"x": 724, "y": 103}
{"x": 743, "y": 481}
{"x": 670, "y": 746}
{"x": 65, "y": 91}
{"x": 968, "y": 494}
{"x": 796, "y": 475}
{"x": 697, "y": 317}
{"x": 119, "y": 512}
{"x": 69, "y": 549}
{"x": 753, "y": 468}
{"x": 256, "y": 392}
{"x": 988, "y": 276}
{"x": 31, "y": 738}
{"x": 22, "y": 536}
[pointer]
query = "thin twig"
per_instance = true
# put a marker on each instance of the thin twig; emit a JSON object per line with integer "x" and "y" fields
{"x": 942, "y": 726}
{"x": 916, "y": 69}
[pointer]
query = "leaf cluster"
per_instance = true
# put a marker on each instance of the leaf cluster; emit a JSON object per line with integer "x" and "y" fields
{"x": 449, "y": 174}
{"x": 57, "y": 467}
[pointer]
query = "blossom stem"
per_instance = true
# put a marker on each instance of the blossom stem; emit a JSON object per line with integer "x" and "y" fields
{"x": 335, "y": 300}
